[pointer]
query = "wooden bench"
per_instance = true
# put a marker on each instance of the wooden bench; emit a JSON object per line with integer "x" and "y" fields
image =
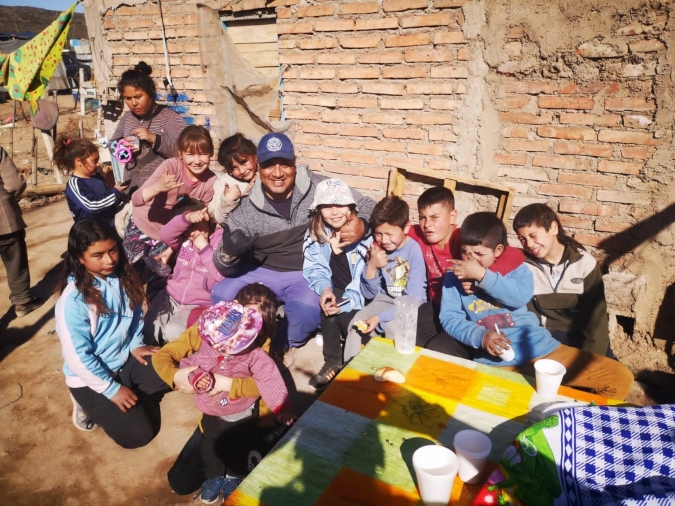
{"x": 504, "y": 193}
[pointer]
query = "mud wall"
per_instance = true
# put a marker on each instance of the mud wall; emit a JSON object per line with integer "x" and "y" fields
{"x": 568, "y": 101}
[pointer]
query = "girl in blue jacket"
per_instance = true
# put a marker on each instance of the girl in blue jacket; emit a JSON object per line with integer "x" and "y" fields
{"x": 99, "y": 320}
{"x": 333, "y": 271}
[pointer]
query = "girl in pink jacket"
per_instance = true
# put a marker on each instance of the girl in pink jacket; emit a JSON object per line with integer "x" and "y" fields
{"x": 192, "y": 233}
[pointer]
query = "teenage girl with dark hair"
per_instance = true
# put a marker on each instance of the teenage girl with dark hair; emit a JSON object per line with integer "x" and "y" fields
{"x": 87, "y": 193}
{"x": 99, "y": 319}
{"x": 569, "y": 295}
{"x": 157, "y": 126}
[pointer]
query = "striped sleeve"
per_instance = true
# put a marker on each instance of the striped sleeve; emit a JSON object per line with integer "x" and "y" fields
{"x": 92, "y": 194}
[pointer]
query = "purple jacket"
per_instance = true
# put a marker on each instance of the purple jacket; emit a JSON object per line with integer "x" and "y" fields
{"x": 194, "y": 275}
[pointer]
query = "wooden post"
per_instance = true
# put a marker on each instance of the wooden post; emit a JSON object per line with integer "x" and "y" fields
{"x": 35, "y": 160}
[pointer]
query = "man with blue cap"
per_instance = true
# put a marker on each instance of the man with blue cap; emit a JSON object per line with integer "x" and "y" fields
{"x": 263, "y": 238}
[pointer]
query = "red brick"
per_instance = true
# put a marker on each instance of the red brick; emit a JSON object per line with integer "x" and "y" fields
{"x": 355, "y": 131}
{"x": 347, "y": 88}
{"x": 512, "y": 145}
{"x": 568, "y": 88}
{"x": 338, "y": 169}
{"x": 311, "y": 140}
{"x": 402, "y": 163}
{"x": 336, "y": 58}
{"x": 574, "y": 222}
{"x": 442, "y": 135}
{"x": 403, "y": 5}
{"x": 359, "y": 73}
{"x": 561, "y": 162}
{"x": 510, "y": 159}
{"x": 576, "y": 148}
{"x": 376, "y": 24}
{"x": 629, "y": 104}
{"x": 358, "y": 103}
{"x": 317, "y": 73}
{"x": 622, "y": 197}
{"x": 553, "y": 102}
{"x": 296, "y": 58}
{"x": 585, "y": 178}
{"x": 284, "y": 3}
{"x": 340, "y": 117}
{"x": 360, "y": 8}
{"x": 524, "y": 173}
{"x": 428, "y": 55}
{"x": 589, "y": 240}
{"x": 316, "y": 11}
{"x": 403, "y": 133}
{"x": 426, "y": 149}
{"x": 439, "y": 19}
{"x": 578, "y": 118}
{"x": 401, "y": 103}
{"x": 384, "y": 146}
{"x": 429, "y": 118}
{"x": 383, "y": 117}
{"x": 359, "y": 158}
{"x": 567, "y": 206}
{"x": 318, "y": 155}
{"x": 383, "y": 57}
{"x": 449, "y": 38}
{"x": 443, "y": 104}
{"x": 637, "y": 121}
{"x": 405, "y": 72}
{"x": 423, "y": 88}
{"x": 524, "y": 117}
{"x": 463, "y": 54}
{"x": 302, "y": 114}
{"x": 334, "y": 25}
{"x": 383, "y": 88}
{"x": 360, "y": 42}
{"x": 517, "y": 132}
{"x": 646, "y": 46}
{"x": 339, "y": 142}
{"x": 515, "y": 102}
{"x": 420, "y": 39}
{"x": 450, "y": 72}
{"x": 319, "y": 128}
{"x": 444, "y": 4}
{"x": 294, "y": 28}
{"x": 613, "y": 226}
{"x": 129, "y": 11}
{"x": 284, "y": 13}
{"x": 324, "y": 43}
{"x": 514, "y": 32}
{"x": 559, "y": 190}
{"x": 642, "y": 138}
{"x": 629, "y": 168}
{"x": 636, "y": 152}
{"x": 577, "y": 134}
{"x": 529, "y": 87}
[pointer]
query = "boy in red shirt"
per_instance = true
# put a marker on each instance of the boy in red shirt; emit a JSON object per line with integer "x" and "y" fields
{"x": 439, "y": 237}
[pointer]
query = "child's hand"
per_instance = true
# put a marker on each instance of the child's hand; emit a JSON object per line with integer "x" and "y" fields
{"x": 203, "y": 383}
{"x": 468, "y": 270}
{"x": 199, "y": 239}
{"x": 495, "y": 342}
{"x": 232, "y": 192}
{"x": 164, "y": 256}
{"x": 167, "y": 183}
{"x": 468, "y": 287}
{"x": 125, "y": 398}
{"x": 249, "y": 187}
{"x": 144, "y": 351}
{"x": 181, "y": 381}
{"x": 327, "y": 302}
{"x": 372, "y": 323}
{"x": 285, "y": 417}
{"x": 222, "y": 384}
{"x": 335, "y": 242}
{"x": 197, "y": 216}
{"x": 378, "y": 257}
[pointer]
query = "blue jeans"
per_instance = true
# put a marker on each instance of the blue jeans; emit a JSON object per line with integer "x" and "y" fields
{"x": 301, "y": 304}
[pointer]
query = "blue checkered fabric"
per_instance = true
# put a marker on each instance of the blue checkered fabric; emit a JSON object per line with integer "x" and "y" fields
{"x": 613, "y": 455}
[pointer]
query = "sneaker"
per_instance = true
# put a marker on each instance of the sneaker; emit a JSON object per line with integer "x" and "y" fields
{"x": 28, "y": 307}
{"x": 325, "y": 375}
{"x": 210, "y": 491}
{"x": 80, "y": 419}
{"x": 230, "y": 485}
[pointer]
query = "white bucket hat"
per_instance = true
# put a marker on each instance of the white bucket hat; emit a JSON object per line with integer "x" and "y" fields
{"x": 332, "y": 192}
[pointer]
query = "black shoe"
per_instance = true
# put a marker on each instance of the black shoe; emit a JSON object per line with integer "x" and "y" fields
{"x": 28, "y": 307}
{"x": 325, "y": 375}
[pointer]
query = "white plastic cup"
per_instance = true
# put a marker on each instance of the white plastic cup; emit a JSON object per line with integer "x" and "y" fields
{"x": 436, "y": 468}
{"x": 472, "y": 449}
{"x": 405, "y": 323}
{"x": 549, "y": 375}
{"x": 507, "y": 355}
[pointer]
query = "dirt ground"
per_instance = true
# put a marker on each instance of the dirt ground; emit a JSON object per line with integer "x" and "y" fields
{"x": 44, "y": 460}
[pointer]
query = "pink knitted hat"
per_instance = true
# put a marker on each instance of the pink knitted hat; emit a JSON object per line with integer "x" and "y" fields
{"x": 229, "y": 327}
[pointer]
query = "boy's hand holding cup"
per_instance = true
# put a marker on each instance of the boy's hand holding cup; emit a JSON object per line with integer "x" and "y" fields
{"x": 496, "y": 343}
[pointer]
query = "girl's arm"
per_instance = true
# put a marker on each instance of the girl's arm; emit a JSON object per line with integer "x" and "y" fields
{"x": 93, "y": 195}
{"x": 593, "y": 317}
{"x": 206, "y": 255}
{"x": 315, "y": 267}
{"x": 268, "y": 380}
{"x": 163, "y": 180}
{"x": 171, "y": 234}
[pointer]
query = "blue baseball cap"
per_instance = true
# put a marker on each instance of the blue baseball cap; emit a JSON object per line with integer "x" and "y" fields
{"x": 275, "y": 145}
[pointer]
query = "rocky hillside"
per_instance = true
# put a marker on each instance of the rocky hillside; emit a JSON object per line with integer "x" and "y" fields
{"x": 30, "y": 19}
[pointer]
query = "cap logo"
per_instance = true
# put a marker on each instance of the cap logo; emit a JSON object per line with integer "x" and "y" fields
{"x": 231, "y": 323}
{"x": 273, "y": 144}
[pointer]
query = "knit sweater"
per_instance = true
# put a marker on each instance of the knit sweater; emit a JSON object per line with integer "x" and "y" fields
{"x": 164, "y": 123}
{"x": 279, "y": 245}
{"x": 152, "y": 215}
{"x": 576, "y": 304}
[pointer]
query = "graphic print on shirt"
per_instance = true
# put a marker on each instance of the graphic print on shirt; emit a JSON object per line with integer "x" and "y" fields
{"x": 396, "y": 277}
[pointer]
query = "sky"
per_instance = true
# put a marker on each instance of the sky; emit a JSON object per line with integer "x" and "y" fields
{"x": 52, "y": 5}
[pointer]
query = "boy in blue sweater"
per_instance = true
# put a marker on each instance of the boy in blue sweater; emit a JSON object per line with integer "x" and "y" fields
{"x": 487, "y": 311}
{"x": 395, "y": 267}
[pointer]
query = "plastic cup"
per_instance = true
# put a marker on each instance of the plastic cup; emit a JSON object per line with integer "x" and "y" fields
{"x": 507, "y": 355}
{"x": 549, "y": 375}
{"x": 436, "y": 468}
{"x": 472, "y": 449}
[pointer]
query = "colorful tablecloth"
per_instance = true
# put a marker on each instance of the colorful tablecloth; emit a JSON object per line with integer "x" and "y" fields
{"x": 354, "y": 444}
